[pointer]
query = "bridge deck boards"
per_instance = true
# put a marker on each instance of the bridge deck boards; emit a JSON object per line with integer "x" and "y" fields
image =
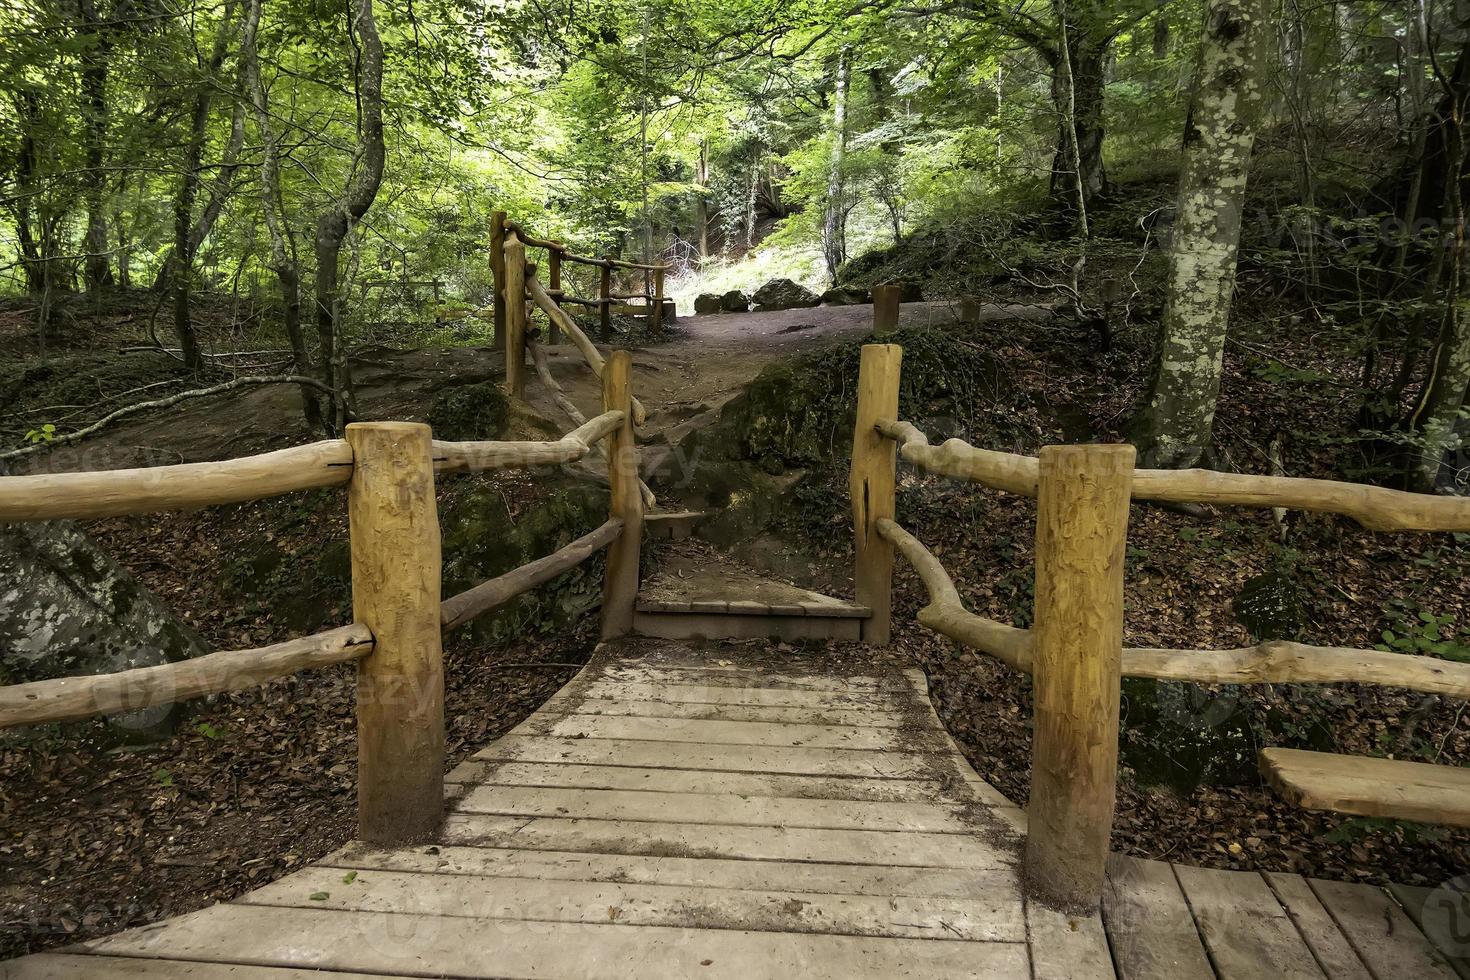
{"x": 701, "y": 817}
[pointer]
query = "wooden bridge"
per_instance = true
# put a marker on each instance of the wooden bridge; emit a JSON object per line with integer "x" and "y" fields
{"x": 692, "y": 805}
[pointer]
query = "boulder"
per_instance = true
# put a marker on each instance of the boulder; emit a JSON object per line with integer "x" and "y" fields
{"x": 67, "y": 609}
{"x": 783, "y": 294}
{"x": 707, "y": 303}
{"x": 846, "y": 296}
{"x": 734, "y": 302}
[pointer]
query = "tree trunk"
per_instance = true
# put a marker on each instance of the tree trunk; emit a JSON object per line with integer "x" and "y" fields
{"x": 182, "y": 264}
{"x": 282, "y": 260}
{"x": 834, "y": 223}
{"x": 97, "y": 273}
{"x": 333, "y": 225}
{"x": 1082, "y": 109}
{"x": 701, "y": 199}
{"x": 1218, "y": 137}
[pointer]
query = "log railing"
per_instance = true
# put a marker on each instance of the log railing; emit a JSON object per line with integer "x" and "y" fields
{"x": 508, "y": 264}
{"x": 1074, "y": 653}
{"x": 389, "y": 469}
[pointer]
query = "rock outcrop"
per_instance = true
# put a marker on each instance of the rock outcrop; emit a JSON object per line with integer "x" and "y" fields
{"x": 783, "y": 294}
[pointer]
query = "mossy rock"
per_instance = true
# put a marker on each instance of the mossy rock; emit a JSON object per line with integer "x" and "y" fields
{"x": 470, "y": 413}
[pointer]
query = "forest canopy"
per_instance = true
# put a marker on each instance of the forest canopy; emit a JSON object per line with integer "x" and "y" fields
{"x": 331, "y": 161}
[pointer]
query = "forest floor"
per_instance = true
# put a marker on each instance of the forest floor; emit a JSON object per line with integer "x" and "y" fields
{"x": 100, "y": 836}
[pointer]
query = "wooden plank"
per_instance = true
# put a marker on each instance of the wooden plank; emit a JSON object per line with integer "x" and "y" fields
{"x": 1442, "y": 916}
{"x": 726, "y": 694}
{"x": 893, "y": 684}
{"x": 322, "y": 938}
{"x": 722, "y": 626}
{"x": 1383, "y": 935}
{"x": 736, "y": 758}
{"x": 709, "y": 808}
{"x": 721, "y": 732}
{"x": 1149, "y": 925}
{"x": 806, "y": 876}
{"x": 994, "y": 917}
{"x": 74, "y": 966}
{"x": 871, "y": 485}
{"x": 1370, "y": 787}
{"x": 1246, "y": 931}
{"x": 1333, "y": 951}
{"x": 845, "y": 717}
{"x": 473, "y": 771}
{"x": 890, "y": 848}
{"x": 1067, "y": 947}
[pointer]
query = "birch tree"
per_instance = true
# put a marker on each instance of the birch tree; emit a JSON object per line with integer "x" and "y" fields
{"x": 1179, "y": 411}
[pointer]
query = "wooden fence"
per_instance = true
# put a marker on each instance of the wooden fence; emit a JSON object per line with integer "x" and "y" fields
{"x": 1074, "y": 652}
{"x": 508, "y": 265}
{"x": 389, "y": 469}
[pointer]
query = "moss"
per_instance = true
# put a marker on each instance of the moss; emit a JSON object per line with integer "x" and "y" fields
{"x": 470, "y": 412}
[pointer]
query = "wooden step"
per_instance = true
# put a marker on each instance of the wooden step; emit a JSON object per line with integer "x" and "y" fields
{"x": 671, "y": 625}
{"x": 1368, "y": 787}
{"x": 674, "y": 525}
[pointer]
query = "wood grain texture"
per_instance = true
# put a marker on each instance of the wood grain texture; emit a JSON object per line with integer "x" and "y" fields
{"x": 1149, "y": 925}
{"x": 71, "y": 698}
{"x": 1388, "y": 788}
{"x": 515, "y": 316}
{"x": 1081, "y": 533}
{"x": 871, "y": 486}
{"x": 394, "y": 528}
{"x": 625, "y": 504}
{"x": 1245, "y": 928}
{"x": 885, "y": 309}
{"x": 1382, "y": 933}
{"x": 143, "y": 490}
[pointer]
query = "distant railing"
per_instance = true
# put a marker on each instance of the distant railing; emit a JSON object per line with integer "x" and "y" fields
{"x": 389, "y": 469}
{"x": 1074, "y": 653}
{"x": 508, "y": 265}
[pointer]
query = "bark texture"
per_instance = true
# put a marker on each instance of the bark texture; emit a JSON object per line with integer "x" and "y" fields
{"x": 1218, "y": 138}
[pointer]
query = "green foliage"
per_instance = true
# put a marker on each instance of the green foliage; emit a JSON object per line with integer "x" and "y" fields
{"x": 1419, "y": 631}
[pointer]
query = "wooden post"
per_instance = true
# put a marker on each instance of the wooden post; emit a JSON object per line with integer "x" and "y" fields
{"x": 885, "y": 309}
{"x": 1081, "y": 534}
{"x": 515, "y": 316}
{"x": 394, "y": 528}
{"x": 553, "y": 288}
{"x": 497, "y": 274}
{"x": 604, "y": 304}
{"x": 871, "y": 485}
{"x": 656, "y": 315}
{"x": 620, "y": 585}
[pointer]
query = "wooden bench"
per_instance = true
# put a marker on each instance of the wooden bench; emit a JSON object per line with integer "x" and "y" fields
{"x": 1368, "y": 787}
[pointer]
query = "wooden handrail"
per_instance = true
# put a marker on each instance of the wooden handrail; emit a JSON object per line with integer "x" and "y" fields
{"x": 73, "y": 698}
{"x": 1375, "y": 508}
{"x": 1272, "y": 662}
{"x": 947, "y": 614}
{"x": 470, "y": 457}
{"x": 92, "y": 494}
{"x": 569, "y": 256}
{"x": 589, "y": 350}
{"x": 496, "y": 592}
{"x": 111, "y": 493}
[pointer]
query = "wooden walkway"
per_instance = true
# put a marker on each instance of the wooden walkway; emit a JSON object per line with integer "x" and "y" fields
{"x": 726, "y": 811}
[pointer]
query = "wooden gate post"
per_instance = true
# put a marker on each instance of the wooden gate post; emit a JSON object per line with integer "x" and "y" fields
{"x": 871, "y": 485}
{"x": 497, "y": 274}
{"x": 515, "y": 316}
{"x": 1081, "y": 536}
{"x": 394, "y": 529}
{"x": 604, "y": 302}
{"x": 656, "y": 315}
{"x": 885, "y": 309}
{"x": 620, "y": 584}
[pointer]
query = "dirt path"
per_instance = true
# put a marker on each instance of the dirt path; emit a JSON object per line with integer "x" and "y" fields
{"x": 707, "y": 360}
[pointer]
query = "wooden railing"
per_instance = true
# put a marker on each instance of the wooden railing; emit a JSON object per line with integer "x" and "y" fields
{"x": 508, "y": 265}
{"x": 389, "y": 469}
{"x": 1074, "y": 652}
